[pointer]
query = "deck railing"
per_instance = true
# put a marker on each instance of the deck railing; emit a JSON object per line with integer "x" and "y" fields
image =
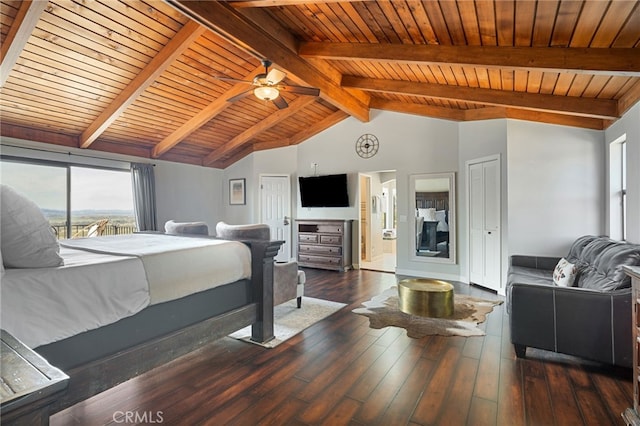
{"x": 80, "y": 230}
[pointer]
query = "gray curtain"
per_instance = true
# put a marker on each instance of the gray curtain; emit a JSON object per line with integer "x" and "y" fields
{"x": 144, "y": 196}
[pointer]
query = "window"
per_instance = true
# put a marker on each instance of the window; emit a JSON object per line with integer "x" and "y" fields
{"x": 77, "y": 201}
{"x": 618, "y": 189}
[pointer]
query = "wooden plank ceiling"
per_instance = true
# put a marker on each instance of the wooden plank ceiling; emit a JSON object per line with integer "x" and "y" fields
{"x": 139, "y": 77}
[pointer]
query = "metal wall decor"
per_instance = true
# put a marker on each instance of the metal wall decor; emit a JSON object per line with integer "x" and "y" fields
{"x": 367, "y": 145}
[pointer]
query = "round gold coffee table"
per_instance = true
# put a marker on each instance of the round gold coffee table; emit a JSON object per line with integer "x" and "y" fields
{"x": 426, "y": 297}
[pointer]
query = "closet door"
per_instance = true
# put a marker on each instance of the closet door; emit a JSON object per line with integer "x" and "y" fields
{"x": 484, "y": 223}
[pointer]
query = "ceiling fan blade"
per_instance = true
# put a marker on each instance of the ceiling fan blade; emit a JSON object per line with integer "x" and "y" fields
{"x": 300, "y": 90}
{"x": 275, "y": 76}
{"x": 280, "y": 102}
{"x": 240, "y": 96}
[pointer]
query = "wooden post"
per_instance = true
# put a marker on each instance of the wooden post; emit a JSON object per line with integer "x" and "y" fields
{"x": 262, "y": 281}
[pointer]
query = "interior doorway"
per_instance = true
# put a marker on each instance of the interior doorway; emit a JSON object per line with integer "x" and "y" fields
{"x": 275, "y": 211}
{"x": 378, "y": 220}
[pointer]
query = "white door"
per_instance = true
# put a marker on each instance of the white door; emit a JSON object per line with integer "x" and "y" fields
{"x": 484, "y": 223}
{"x": 275, "y": 210}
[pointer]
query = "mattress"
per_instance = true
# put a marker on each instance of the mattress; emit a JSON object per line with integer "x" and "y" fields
{"x": 44, "y": 305}
{"x": 108, "y": 278}
{"x": 176, "y": 266}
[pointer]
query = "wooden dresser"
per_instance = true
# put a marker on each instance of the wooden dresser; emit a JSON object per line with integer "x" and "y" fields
{"x": 324, "y": 243}
{"x": 631, "y": 414}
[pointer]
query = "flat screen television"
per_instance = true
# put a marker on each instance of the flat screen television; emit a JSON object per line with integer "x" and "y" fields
{"x": 324, "y": 191}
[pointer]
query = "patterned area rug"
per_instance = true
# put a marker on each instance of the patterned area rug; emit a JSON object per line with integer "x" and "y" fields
{"x": 383, "y": 311}
{"x": 289, "y": 320}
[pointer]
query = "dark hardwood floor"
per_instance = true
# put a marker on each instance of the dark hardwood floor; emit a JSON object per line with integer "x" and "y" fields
{"x": 340, "y": 371}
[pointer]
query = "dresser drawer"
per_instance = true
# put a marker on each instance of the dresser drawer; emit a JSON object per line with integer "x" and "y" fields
{"x": 328, "y": 250}
{"x": 308, "y": 238}
{"x": 330, "y": 229}
{"x": 331, "y": 239}
{"x": 320, "y": 260}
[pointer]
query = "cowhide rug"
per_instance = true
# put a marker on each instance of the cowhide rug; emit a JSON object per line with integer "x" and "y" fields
{"x": 383, "y": 311}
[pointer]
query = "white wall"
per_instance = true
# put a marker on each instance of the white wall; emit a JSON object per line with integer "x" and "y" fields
{"x": 240, "y": 214}
{"x": 187, "y": 193}
{"x": 629, "y": 124}
{"x": 556, "y": 186}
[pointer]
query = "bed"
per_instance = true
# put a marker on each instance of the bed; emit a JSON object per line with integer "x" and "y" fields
{"x": 154, "y": 303}
{"x": 106, "y": 309}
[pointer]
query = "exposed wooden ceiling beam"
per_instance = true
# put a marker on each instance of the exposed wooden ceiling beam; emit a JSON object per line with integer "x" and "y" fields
{"x": 552, "y": 118}
{"x": 630, "y": 98}
{"x": 8, "y": 130}
{"x": 299, "y": 137}
{"x": 204, "y": 116}
{"x": 418, "y": 109}
{"x": 256, "y": 129}
{"x": 170, "y": 52}
{"x": 611, "y": 61}
{"x": 597, "y": 108}
{"x": 243, "y": 32}
{"x": 23, "y": 25}
{"x": 488, "y": 113}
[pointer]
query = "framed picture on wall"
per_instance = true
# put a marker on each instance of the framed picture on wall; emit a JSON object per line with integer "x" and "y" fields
{"x": 237, "y": 191}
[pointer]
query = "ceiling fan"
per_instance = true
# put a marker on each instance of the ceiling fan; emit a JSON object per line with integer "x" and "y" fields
{"x": 268, "y": 87}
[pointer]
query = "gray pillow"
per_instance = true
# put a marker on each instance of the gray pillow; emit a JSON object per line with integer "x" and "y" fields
{"x": 191, "y": 228}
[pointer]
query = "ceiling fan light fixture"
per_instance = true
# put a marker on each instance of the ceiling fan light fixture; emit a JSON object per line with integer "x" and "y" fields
{"x": 266, "y": 93}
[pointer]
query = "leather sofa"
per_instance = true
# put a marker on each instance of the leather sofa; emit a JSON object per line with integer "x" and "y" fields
{"x": 591, "y": 319}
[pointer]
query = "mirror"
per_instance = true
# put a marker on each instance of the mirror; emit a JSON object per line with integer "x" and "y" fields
{"x": 432, "y": 198}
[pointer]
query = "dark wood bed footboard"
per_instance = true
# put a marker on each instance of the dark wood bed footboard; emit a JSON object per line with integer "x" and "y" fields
{"x": 97, "y": 376}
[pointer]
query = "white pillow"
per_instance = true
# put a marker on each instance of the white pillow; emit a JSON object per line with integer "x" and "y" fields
{"x": 428, "y": 214}
{"x": 27, "y": 238}
{"x": 564, "y": 273}
{"x": 441, "y": 217}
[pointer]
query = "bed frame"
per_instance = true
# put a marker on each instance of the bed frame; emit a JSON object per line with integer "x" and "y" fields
{"x": 100, "y": 359}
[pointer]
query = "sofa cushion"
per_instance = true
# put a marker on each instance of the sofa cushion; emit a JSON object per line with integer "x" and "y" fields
{"x": 606, "y": 271}
{"x": 521, "y": 274}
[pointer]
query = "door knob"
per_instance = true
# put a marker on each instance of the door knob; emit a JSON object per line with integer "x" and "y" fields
{"x": 286, "y": 221}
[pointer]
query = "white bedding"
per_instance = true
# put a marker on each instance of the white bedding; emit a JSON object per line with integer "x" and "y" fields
{"x": 43, "y": 305}
{"x": 109, "y": 278}
{"x": 176, "y": 266}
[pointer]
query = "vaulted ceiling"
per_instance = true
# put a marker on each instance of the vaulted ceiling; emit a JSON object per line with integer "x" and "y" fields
{"x": 143, "y": 77}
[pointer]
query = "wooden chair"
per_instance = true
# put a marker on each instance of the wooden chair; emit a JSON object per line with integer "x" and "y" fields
{"x": 94, "y": 229}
